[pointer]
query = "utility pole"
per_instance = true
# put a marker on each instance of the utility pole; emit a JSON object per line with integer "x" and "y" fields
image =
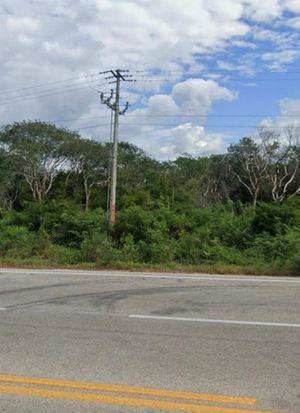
{"x": 117, "y": 76}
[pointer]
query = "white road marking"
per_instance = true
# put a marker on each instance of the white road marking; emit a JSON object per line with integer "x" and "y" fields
{"x": 200, "y": 277}
{"x": 3, "y": 308}
{"x": 212, "y": 321}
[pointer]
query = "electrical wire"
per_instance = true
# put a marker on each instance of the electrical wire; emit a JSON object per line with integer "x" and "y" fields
{"x": 177, "y": 116}
{"x": 49, "y": 83}
{"x": 235, "y": 80}
{"x": 213, "y": 70}
{"x": 176, "y": 125}
{"x": 70, "y": 88}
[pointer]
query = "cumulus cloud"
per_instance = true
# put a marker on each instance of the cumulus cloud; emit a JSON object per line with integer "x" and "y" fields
{"x": 198, "y": 95}
{"x": 194, "y": 96}
{"x": 168, "y": 144}
{"x": 159, "y": 32}
{"x": 268, "y": 10}
{"x": 289, "y": 112}
{"x": 258, "y": 10}
{"x": 161, "y": 104}
{"x": 194, "y": 140}
{"x": 292, "y": 5}
{"x": 22, "y": 23}
{"x": 289, "y": 115}
{"x": 277, "y": 59}
{"x": 294, "y": 22}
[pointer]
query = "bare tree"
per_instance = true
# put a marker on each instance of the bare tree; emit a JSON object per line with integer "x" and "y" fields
{"x": 283, "y": 162}
{"x": 90, "y": 160}
{"x": 271, "y": 163}
{"x": 249, "y": 166}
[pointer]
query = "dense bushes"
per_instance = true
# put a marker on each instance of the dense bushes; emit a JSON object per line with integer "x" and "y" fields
{"x": 236, "y": 210}
{"x": 229, "y": 234}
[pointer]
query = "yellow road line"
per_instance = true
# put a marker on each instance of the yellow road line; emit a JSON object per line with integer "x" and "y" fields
{"x": 124, "y": 401}
{"x": 218, "y": 398}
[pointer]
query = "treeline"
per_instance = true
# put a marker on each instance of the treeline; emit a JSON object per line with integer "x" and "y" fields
{"x": 235, "y": 211}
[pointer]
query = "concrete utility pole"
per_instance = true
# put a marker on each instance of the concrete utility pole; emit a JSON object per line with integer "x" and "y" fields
{"x": 115, "y": 107}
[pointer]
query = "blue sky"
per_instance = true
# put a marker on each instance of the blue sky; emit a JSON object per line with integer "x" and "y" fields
{"x": 208, "y": 71}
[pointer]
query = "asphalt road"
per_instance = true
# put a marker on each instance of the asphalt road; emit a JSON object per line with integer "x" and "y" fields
{"x": 79, "y": 341}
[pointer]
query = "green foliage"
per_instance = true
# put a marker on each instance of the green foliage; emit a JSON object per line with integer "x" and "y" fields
{"x": 129, "y": 251}
{"x": 16, "y": 241}
{"x": 278, "y": 249}
{"x": 40, "y": 152}
{"x": 69, "y": 225}
{"x": 192, "y": 211}
{"x": 274, "y": 219}
{"x": 98, "y": 248}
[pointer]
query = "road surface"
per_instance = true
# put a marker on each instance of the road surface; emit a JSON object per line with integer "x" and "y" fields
{"x": 80, "y": 341}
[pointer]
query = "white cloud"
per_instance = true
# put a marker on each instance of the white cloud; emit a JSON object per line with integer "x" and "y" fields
{"x": 168, "y": 144}
{"x": 162, "y": 104}
{"x": 281, "y": 40}
{"x": 277, "y": 59}
{"x": 22, "y": 23}
{"x": 265, "y": 10}
{"x": 290, "y": 112}
{"x": 198, "y": 95}
{"x": 194, "y": 140}
{"x": 289, "y": 115}
{"x": 292, "y": 5}
{"x": 244, "y": 44}
{"x": 156, "y": 32}
{"x": 294, "y": 22}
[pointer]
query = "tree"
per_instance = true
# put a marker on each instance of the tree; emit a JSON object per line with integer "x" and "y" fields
{"x": 137, "y": 171}
{"x": 283, "y": 161}
{"x": 195, "y": 177}
{"x": 39, "y": 148}
{"x": 249, "y": 166}
{"x": 8, "y": 187}
{"x": 89, "y": 159}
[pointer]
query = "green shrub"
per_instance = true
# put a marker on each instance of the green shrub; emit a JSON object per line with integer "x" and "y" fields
{"x": 129, "y": 251}
{"x": 98, "y": 248}
{"x": 16, "y": 242}
{"x": 275, "y": 218}
{"x": 60, "y": 255}
{"x": 280, "y": 249}
{"x": 70, "y": 226}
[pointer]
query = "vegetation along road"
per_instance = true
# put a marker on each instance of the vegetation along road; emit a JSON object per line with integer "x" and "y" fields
{"x": 78, "y": 341}
{"x": 233, "y": 212}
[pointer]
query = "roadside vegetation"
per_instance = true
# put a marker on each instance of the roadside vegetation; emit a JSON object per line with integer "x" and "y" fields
{"x": 235, "y": 212}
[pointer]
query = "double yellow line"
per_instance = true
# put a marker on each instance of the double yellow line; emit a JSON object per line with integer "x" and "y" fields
{"x": 157, "y": 399}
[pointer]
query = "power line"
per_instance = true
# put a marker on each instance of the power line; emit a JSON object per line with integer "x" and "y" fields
{"x": 215, "y": 116}
{"x": 167, "y": 116}
{"x": 70, "y": 88}
{"x": 49, "y": 83}
{"x": 237, "y": 80}
{"x": 214, "y": 70}
{"x": 154, "y": 76}
{"x": 180, "y": 116}
{"x": 176, "y": 125}
{"x": 143, "y": 74}
{"x": 78, "y": 86}
{"x": 43, "y": 91}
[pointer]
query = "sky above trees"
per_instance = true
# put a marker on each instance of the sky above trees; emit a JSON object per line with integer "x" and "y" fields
{"x": 208, "y": 72}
